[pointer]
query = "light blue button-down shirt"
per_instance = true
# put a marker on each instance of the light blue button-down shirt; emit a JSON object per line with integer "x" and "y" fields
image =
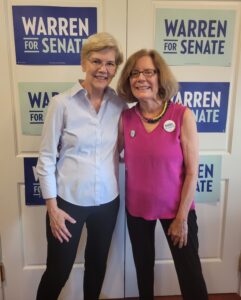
{"x": 86, "y": 173}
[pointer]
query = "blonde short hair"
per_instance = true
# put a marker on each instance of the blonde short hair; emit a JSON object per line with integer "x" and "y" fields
{"x": 168, "y": 86}
{"x": 101, "y": 41}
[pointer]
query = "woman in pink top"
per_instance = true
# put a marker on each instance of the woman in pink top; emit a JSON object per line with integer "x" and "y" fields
{"x": 161, "y": 157}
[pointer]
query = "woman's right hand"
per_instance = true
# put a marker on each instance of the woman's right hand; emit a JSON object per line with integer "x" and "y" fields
{"x": 57, "y": 219}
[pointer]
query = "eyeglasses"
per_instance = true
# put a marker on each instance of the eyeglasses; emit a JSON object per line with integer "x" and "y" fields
{"x": 97, "y": 63}
{"x": 148, "y": 73}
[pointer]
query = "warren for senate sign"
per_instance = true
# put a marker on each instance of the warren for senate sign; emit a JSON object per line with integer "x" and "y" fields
{"x": 208, "y": 101}
{"x": 50, "y": 35}
{"x": 33, "y": 194}
{"x": 209, "y": 179}
{"x": 34, "y": 98}
{"x": 195, "y": 36}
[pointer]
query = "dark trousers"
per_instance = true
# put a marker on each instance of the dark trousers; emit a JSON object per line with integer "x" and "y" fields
{"x": 100, "y": 222}
{"x": 186, "y": 259}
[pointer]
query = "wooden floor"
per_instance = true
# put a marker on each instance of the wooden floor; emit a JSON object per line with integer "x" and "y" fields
{"x": 211, "y": 297}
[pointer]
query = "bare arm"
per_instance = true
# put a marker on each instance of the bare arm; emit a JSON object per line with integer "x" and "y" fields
{"x": 189, "y": 141}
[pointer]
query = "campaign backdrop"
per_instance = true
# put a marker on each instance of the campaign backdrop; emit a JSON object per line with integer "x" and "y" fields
{"x": 208, "y": 101}
{"x": 209, "y": 179}
{"x": 50, "y": 35}
{"x": 34, "y": 99}
{"x": 195, "y": 36}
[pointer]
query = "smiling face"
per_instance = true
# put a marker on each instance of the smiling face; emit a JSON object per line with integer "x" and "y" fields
{"x": 100, "y": 68}
{"x": 144, "y": 88}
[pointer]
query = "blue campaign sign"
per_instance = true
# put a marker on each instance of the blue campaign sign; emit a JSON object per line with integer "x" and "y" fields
{"x": 32, "y": 188}
{"x": 208, "y": 101}
{"x": 50, "y": 35}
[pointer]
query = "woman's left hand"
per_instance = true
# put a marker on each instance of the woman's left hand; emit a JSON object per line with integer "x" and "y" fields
{"x": 178, "y": 231}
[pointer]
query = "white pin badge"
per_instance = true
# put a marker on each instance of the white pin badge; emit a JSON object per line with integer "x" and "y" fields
{"x": 132, "y": 133}
{"x": 169, "y": 126}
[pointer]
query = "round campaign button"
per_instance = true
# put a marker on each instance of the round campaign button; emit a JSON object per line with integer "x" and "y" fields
{"x": 169, "y": 126}
{"x": 132, "y": 133}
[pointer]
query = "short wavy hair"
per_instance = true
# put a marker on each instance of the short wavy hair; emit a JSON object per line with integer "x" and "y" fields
{"x": 168, "y": 85}
{"x": 101, "y": 41}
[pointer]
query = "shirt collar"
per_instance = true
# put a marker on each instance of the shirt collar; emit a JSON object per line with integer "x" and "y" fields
{"x": 76, "y": 89}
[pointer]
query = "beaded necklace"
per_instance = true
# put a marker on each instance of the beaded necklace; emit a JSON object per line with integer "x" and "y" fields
{"x": 152, "y": 120}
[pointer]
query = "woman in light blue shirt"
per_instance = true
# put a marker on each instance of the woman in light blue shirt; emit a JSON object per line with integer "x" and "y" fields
{"x": 81, "y": 187}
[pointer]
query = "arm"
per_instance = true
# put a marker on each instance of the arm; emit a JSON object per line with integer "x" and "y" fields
{"x": 189, "y": 142}
{"x": 121, "y": 130}
{"x": 120, "y": 135}
{"x": 46, "y": 168}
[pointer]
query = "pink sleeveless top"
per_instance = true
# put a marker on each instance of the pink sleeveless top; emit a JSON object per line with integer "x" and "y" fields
{"x": 154, "y": 164}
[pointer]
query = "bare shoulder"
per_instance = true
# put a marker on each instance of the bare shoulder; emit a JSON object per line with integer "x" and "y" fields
{"x": 189, "y": 118}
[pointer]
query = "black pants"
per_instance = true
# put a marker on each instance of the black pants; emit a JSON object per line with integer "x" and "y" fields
{"x": 186, "y": 259}
{"x": 100, "y": 222}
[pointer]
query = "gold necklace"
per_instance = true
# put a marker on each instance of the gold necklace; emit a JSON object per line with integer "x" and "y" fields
{"x": 152, "y": 120}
